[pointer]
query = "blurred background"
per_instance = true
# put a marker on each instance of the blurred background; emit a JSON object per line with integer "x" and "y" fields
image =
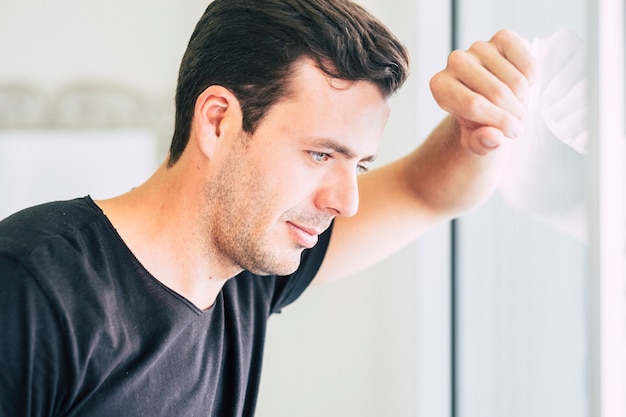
{"x": 514, "y": 310}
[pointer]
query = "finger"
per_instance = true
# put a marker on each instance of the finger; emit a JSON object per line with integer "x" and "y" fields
{"x": 492, "y": 58}
{"x": 516, "y": 50}
{"x": 483, "y": 70}
{"x": 467, "y": 105}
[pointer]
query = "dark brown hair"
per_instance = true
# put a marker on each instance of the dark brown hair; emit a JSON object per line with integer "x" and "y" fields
{"x": 250, "y": 47}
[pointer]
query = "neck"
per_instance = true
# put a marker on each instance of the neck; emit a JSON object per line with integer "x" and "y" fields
{"x": 159, "y": 222}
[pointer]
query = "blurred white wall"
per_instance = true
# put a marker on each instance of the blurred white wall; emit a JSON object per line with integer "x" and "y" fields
{"x": 37, "y": 166}
{"x": 135, "y": 42}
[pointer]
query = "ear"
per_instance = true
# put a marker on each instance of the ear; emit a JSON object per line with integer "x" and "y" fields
{"x": 217, "y": 114}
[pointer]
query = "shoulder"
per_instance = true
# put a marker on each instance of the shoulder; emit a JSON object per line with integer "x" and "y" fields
{"x": 21, "y": 232}
{"x": 52, "y": 244}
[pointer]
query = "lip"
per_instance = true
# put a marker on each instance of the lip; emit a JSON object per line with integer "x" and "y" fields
{"x": 304, "y": 236}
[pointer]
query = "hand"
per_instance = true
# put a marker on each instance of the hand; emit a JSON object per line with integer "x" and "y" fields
{"x": 485, "y": 88}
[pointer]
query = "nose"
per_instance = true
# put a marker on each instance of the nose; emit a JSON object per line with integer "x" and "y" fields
{"x": 339, "y": 194}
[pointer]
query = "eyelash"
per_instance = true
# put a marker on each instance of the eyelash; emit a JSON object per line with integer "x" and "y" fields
{"x": 323, "y": 157}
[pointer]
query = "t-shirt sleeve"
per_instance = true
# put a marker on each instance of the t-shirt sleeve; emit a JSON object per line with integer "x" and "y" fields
{"x": 32, "y": 377}
{"x": 289, "y": 288}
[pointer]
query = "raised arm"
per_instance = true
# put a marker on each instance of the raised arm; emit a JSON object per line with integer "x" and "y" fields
{"x": 456, "y": 168}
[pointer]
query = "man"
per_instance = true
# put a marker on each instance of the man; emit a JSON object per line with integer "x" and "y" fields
{"x": 156, "y": 302}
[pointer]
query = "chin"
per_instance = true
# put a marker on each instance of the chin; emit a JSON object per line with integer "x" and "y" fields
{"x": 277, "y": 266}
{"x": 277, "y": 270}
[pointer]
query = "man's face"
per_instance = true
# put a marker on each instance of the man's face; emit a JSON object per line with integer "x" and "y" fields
{"x": 278, "y": 189}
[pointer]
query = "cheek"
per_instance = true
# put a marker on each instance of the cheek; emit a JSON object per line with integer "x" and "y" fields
{"x": 259, "y": 198}
{"x": 273, "y": 199}
{"x": 283, "y": 183}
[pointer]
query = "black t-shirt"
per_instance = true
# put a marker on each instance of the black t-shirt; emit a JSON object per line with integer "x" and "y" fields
{"x": 87, "y": 331}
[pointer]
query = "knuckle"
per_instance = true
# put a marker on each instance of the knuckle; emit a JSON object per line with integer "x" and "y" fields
{"x": 435, "y": 81}
{"x": 497, "y": 93}
{"x": 457, "y": 58}
{"x": 480, "y": 47}
{"x": 436, "y": 84}
{"x": 472, "y": 103}
{"x": 503, "y": 35}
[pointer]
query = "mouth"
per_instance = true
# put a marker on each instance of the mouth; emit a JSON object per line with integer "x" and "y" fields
{"x": 305, "y": 237}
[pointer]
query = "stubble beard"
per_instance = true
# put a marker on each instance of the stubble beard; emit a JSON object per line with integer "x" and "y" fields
{"x": 237, "y": 218}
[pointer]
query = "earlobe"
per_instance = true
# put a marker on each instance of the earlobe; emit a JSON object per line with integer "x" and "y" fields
{"x": 216, "y": 111}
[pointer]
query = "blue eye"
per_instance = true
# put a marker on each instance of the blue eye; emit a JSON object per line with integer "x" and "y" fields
{"x": 320, "y": 156}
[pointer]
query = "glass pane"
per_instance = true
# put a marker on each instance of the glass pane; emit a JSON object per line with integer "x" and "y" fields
{"x": 523, "y": 266}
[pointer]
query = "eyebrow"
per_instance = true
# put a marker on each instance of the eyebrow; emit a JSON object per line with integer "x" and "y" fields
{"x": 341, "y": 149}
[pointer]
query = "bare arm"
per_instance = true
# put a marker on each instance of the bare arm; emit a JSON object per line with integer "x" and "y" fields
{"x": 456, "y": 168}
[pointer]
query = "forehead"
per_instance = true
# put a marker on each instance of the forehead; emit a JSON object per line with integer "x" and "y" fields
{"x": 319, "y": 106}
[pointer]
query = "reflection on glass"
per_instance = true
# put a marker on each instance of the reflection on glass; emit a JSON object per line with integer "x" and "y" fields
{"x": 544, "y": 176}
{"x": 523, "y": 258}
